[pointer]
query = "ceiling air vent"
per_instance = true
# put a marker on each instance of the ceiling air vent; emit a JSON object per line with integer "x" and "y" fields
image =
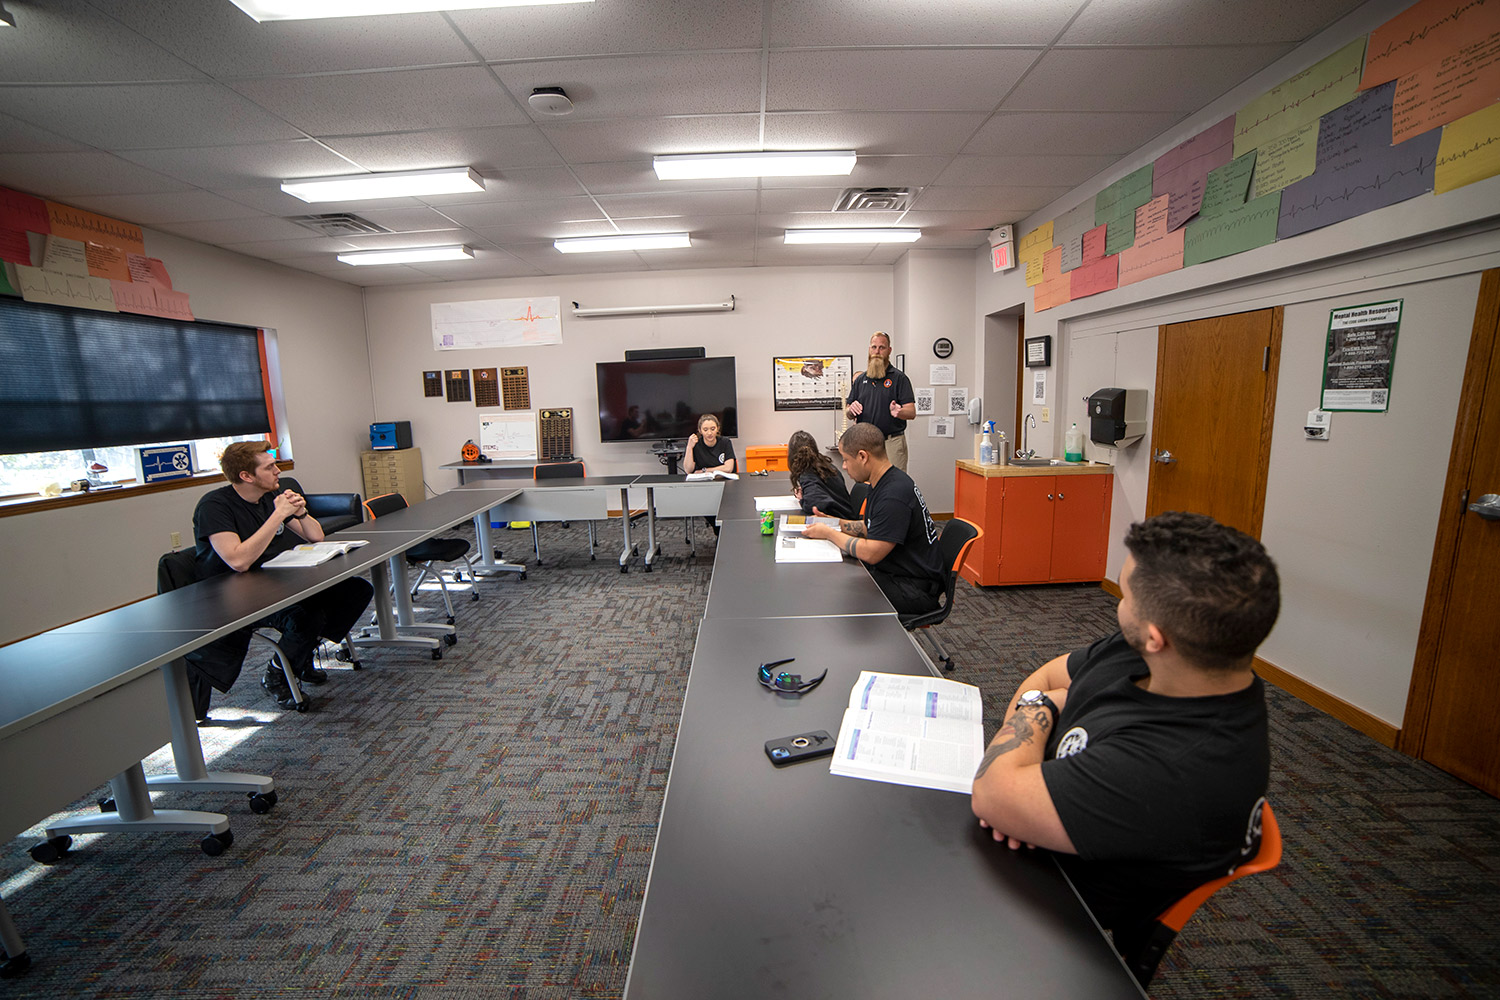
{"x": 874, "y": 200}
{"x": 338, "y": 224}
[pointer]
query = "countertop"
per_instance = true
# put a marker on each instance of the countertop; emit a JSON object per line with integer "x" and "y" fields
{"x": 992, "y": 471}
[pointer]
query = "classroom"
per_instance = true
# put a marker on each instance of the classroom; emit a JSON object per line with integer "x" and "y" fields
{"x": 182, "y": 117}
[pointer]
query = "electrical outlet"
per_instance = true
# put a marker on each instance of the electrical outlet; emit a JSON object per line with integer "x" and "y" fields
{"x": 176, "y": 540}
{"x": 1046, "y": 414}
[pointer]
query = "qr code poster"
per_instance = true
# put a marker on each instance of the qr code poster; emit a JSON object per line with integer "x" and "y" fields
{"x": 926, "y": 401}
{"x": 812, "y": 383}
{"x": 940, "y": 427}
{"x": 958, "y": 402}
{"x": 1038, "y": 386}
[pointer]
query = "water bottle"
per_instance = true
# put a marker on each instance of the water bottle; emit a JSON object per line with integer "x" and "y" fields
{"x": 1002, "y": 451}
{"x": 1073, "y": 444}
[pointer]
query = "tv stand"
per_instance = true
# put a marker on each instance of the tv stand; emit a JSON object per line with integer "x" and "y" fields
{"x": 668, "y": 453}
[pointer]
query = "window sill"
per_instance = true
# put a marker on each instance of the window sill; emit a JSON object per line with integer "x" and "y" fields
{"x": 34, "y": 503}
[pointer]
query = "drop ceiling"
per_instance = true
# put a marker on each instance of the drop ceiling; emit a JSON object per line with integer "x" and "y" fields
{"x": 183, "y": 116}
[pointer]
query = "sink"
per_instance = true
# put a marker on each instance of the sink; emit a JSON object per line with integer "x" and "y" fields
{"x": 1036, "y": 463}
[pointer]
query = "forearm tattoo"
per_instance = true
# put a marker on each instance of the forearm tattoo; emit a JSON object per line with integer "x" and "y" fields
{"x": 1019, "y": 731}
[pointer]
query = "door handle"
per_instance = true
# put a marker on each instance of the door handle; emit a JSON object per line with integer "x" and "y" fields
{"x": 1164, "y": 457}
{"x": 1487, "y": 507}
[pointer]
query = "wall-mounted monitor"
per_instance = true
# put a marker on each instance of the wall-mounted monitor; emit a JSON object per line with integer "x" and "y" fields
{"x": 662, "y": 399}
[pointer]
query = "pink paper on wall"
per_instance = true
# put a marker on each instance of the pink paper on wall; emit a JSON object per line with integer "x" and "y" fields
{"x": 1157, "y": 249}
{"x": 1095, "y": 277}
{"x": 15, "y": 247}
{"x": 23, "y": 212}
{"x": 1056, "y": 287}
{"x": 1182, "y": 170}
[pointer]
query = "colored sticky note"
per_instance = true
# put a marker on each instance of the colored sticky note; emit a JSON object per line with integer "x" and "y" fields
{"x": 1469, "y": 150}
{"x": 1304, "y": 98}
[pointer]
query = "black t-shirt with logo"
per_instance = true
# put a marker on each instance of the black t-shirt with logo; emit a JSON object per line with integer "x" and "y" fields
{"x": 1158, "y": 794}
{"x": 225, "y": 510}
{"x": 896, "y": 512}
{"x": 875, "y": 398}
{"x": 705, "y": 457}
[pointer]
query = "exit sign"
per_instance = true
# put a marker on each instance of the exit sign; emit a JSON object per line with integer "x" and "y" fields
{"x": 1002, "y": 256}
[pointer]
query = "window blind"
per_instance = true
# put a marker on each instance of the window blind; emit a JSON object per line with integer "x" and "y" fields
{"x": 78, "y": 378}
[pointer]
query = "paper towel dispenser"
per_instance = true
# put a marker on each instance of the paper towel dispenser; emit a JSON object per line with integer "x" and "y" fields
{"x": 1117, "y": 417}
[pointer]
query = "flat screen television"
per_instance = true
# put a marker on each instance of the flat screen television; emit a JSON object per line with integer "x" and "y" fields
{"x": 662, "y": 399}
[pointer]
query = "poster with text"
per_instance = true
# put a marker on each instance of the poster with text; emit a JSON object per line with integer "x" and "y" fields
{"x": 811, "y": 383}
{"x": 1360, "y": 356}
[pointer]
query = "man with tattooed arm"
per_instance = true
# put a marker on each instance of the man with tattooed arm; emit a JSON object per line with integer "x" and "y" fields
{"x": 1142, "y": 760}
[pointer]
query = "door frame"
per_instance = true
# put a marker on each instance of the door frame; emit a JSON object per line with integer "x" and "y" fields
{"x": 1482, "y": 344}
{"x": 1267, "y": 416}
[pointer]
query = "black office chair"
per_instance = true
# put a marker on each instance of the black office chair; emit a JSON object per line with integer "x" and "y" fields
{"x": 858, "y": 493}
{"x": 958, "y": 535}
{"x": 178, "y": 569}
{"x": 334, "y": 511}
{"x": 558, "y": 470}
{"x": 424, "y": 554}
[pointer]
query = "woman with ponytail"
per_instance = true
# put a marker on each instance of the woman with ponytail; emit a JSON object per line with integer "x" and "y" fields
{"x": 815, "y": 481}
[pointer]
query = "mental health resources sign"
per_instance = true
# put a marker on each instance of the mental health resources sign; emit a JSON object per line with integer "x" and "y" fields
{"x": 1360, "y": 357}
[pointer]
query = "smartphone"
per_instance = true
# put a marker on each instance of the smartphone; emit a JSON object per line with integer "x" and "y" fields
{"x": 803, "y": 746}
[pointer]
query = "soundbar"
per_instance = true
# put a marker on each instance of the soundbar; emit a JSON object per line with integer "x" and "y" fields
{"x": 666, "y": 354}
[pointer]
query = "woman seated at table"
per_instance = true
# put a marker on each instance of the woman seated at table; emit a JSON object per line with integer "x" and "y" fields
{"x": 816, "y": 483}
{"x": 706, "y": 451}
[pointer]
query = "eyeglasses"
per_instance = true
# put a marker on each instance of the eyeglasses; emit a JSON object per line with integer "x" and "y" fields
{"x": 784, "y": 682}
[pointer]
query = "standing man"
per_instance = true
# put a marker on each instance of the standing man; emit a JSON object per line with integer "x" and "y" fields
{"x": 882, "y": 396}
{"x": 238, "y": 527}
{"x": 1143, "y": 759}
{"x": 897, "y": 538}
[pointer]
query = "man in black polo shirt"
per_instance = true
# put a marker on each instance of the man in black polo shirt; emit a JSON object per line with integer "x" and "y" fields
{"x": 1143, "y": 759}
{"x": 882, "y": 396}
{"x": 897, "y": 538}
{"x": 238, "y": 527}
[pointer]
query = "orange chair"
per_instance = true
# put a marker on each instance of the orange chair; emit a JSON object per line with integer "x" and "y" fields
{"x": 953, "y": 546}
{"x": 1164, "y": 931}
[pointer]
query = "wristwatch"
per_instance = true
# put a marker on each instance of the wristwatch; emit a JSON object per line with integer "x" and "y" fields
{"x": 1035, "y": 697}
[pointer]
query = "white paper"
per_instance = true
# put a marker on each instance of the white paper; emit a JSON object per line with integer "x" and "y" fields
{"x": 791, "y": 548}
{"x": 784, "y": 502}
{"x": 466, "y": 326}
{"x": 1038, "y": 386}
{"x": 958, "y": 402}
{"x": 940, "y": 427}
{"x": 926, "y": 401}
{"x": 508, "y": 435}
{"x": 942, "y": 374}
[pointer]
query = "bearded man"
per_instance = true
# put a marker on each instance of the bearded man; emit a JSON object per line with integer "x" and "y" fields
{"x": 882, "y": 396}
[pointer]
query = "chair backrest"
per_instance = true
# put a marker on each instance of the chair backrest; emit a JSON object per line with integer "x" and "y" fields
{"x": 953, "y": 545}
{"x": 386, "y": 503}
{"x": 557, "y": 470}
{"x": 858, "y": 494}
{"x": 176, "y": 569}
{"x": 1268, "y": 857}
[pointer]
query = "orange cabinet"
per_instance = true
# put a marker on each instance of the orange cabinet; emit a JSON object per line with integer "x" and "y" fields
{"x": 765, "y": 458}
{"x": 1037, "y": 528}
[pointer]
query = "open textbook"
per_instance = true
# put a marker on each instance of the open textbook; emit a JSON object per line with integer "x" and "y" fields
{"x": 911, "y": 730}
{"x": 701, "y": 477}
{"x": 313, "y": 553}
{"x": 797, "y": 523}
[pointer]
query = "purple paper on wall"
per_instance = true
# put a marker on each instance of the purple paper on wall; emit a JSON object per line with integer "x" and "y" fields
{"x": 1181, "y": 171}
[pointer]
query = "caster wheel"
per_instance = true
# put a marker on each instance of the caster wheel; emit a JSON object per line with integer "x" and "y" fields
{"x": 214, "y": 844}
{"x": 15, "y": 966}
{"x": 450, "y": 620}
{"x": 591, "y": 559}
{"x": 523, "y": 576}
{"x": 497, "y": 555}
{"x": 474, "y": 596}
{"x": 342, "y": 656}
{"x": 50, "y": 851}
{"x": 107, "y": 805}
{"x": 356, "y": 665}
{"x": 303, "y": 706}
{"x": 648, "y": 567}
{"x": 437, "y": 654}
{"x": 450, "y": 639}
{"x": 624, "y": 569}
{"x": 635, "y": 550}
{"x": 260, "y": 804}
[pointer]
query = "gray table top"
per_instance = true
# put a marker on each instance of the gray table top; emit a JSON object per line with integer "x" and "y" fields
{"x": 791, "y": 881}
{"x": 440, "y": 512}
{"x": 739, "y": 497}
{"x": 748, "y": 582}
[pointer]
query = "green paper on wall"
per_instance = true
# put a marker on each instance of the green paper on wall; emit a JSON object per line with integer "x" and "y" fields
{"x": 1235, "y": 231}
{"x": 1228, "y": 187}
{"x": 1115, "y": 207}
{"x": 6, "y": 288}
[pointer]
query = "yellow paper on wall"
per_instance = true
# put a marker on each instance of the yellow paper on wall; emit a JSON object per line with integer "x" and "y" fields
{"x": 1469, "y": 150}
{"x": 1033, "y": 245}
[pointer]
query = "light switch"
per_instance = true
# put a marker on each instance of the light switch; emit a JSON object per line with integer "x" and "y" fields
{"x": 1046, "y": 414}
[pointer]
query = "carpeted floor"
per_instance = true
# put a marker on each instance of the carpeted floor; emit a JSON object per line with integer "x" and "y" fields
{"x": 482, "y": 826}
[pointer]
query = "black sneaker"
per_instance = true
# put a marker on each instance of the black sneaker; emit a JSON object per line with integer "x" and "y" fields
{"x": 275, "y": 684}
{"x": 313, "y": 675}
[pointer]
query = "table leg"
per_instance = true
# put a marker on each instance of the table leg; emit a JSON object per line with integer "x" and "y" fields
{"x": 488, "y": 565}
{"x": 387, "y": 630}
{"x": 625, "y": 516}
{"x": 133, "y": 811}
{"x": 187, "y": 749}
{"x": 16, "y": 959}
{"x": 652, "y": 550}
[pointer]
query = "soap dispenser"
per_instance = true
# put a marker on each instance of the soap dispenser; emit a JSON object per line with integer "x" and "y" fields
{"x": 1073, "y": 444}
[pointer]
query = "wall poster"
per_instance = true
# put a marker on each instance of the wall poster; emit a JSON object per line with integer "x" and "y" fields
{"x": 1360, "y": 357}
{"x": 818, "y": 383}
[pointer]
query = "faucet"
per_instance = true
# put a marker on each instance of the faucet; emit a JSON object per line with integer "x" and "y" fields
{"x": 1023, "y": 451}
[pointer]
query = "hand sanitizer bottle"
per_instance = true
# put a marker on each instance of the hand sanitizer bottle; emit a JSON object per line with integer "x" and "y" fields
{"x": 1073, "y": 444}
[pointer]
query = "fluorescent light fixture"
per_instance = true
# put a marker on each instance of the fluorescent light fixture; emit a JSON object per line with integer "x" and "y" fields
{"x": 410, "y": 255}
{"x": 304, "y": 10}
{"x": 393, "y": 184}
{"x": 601, "y": 244}
{"x": 853, "y": 235}
{"x": 813, "y": 163}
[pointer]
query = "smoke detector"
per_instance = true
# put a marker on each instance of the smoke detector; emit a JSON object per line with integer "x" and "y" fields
{"x": 550, "y": 101}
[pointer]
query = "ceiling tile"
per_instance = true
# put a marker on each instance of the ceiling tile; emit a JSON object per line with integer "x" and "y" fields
{"x": 485, "y": 149}
{"x": 221, "y": 40}
{"x": 997, "y": 198}
{"x": 1023, "y": 171}
{"x": 486, "y": 264}
{"x": 1028, "y": 132}
{"x": 977, "y": 221}
{"x": 593, "y": 28}
{"x": 1160, "y": 80}
{"x": 243, "y": 166}
{"x": 918, "y": 22}
{"x": 873, "y": 171}
{"x": 319, "y": 248}
{"x": 829, "y": 220}
{"x": 515, "y": 185}
{"x": 873, "y": 132}
{"x": 1150, "y": 22}
{"x": 17, "y": 136}
{"x": 409, "y": 220}
{"x": 237, "y": 230}
{"x": 71, "y": 42}
{"x": 550, "y": 261}
{"x": 514, "y": 213}
{"x": 887, "y": 79}
{"x": 359, "y": 103}
{"x": 638, "y": 177}
{"x": 396, "y": 241}
{"x": 543, "y": 231}
{"x": 612, "y": 87}
{"x": 274, "y": 201}
{"x": 144, "y": 116}
{"x": 634, "y": 139}
{"x": 802, "y": 200}
{"x": 58, "y": 175}
{"x": 151, "y": 209}
{"x": 635, "y": 206}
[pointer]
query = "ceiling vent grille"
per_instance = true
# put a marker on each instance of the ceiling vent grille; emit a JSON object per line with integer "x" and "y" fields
{"x": 338, "y": 224}
{"x": 881, "y": 199}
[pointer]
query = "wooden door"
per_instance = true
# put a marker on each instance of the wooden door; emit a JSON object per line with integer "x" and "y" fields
{"x": 1026, "y": 529}
{"x": 1080, "y": 528}
{"x": 1215, "y": 399}
{"x": 1453, "y": 713}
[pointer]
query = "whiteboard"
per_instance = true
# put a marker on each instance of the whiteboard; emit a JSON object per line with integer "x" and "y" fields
{"x": 508, "y": 435}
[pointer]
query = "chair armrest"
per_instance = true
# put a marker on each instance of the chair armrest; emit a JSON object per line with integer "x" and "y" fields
{"x": 335, "y": 511}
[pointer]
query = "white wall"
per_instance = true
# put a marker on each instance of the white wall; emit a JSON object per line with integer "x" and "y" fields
{"x": 779, "y": 312}
{"x": 65, "y": 564}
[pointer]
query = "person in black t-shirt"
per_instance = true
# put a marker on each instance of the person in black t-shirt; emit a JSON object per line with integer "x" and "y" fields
{"x": 897, "y": 539}
{"x": 238, "y": 527}
{"x": 816, "y": 484}
{"x": 706, "y": 450}
{"x": 1143, "y": 760}
{"x": 882, "y": 395}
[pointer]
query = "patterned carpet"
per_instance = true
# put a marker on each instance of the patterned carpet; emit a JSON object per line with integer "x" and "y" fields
{"x": 482, "y": 826}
